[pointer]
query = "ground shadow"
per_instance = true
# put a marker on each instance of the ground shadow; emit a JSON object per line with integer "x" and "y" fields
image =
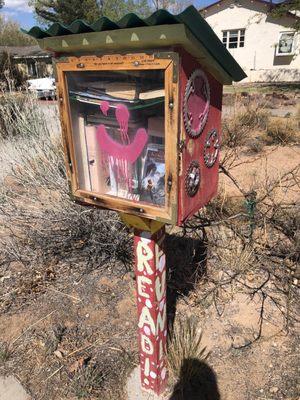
{"x": 197, "y": 381}
{"x": 186, "y": 264}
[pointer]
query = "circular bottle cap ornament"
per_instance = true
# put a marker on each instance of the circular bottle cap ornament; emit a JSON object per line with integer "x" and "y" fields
{"x": 192, "y": 179}
{"x": 196, "y": 103}
{"x": 211, "y": 148}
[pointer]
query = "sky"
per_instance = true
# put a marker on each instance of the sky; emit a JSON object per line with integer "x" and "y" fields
{"x": 19, "y": 11}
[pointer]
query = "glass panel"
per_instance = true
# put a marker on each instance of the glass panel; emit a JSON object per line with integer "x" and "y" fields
{"x": 234, "y": 34}
{"x": 225, "y": 37}
{"x": 233, "y": 43}
{"x": 242, "y": 38}
{"x": 286, "y": 43}
{"x": 118, "y": 129}
{"x": 233, "y": 39}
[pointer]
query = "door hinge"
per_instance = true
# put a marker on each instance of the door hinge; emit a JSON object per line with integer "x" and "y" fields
{"x": 181, "y": 146}
{"x": 169, "y": 183}
{"x": 69, "y": 161}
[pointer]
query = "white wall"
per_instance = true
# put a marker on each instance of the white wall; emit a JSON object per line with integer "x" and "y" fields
{"x": 257, "y": 57}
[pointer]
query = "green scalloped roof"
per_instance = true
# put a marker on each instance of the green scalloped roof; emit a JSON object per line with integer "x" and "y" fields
{"x": 190, "y": 18}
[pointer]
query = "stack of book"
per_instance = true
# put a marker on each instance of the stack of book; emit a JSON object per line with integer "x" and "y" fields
{"x": 146, "y": 111}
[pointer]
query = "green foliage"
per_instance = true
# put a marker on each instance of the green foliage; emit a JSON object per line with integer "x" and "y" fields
{"x": 281, "y": 10}
{"x": 119, "y": 8}
{"x": 66, "y": 11}
{"x": 10, "y": 34}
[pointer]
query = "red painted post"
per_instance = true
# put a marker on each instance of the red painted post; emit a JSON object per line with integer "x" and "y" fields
{"x": 150, "y": 269}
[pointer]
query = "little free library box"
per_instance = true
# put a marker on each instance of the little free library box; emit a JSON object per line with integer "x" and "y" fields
{"x": 140, "y": 103}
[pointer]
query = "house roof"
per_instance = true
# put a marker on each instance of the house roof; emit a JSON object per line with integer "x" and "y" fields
{"x": 161, "y": 29}
{"x": 24, "y": 51}
{"x": 221, "y": 1}
{"x": 270, "y": 4}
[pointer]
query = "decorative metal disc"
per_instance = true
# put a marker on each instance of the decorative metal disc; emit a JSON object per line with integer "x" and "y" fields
{"x": 211, "y": 148}
{"x": 196, "y": 103}
{"x": 192, "y": 179}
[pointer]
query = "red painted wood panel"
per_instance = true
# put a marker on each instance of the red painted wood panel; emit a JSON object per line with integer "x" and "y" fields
{"x": 194, "y": 147}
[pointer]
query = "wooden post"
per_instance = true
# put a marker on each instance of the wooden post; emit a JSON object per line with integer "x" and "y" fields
{"x": 150, "y": 270}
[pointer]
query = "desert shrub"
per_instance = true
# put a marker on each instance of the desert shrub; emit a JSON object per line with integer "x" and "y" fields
{"x": 186, "y": 344}
{"x": 298, "y": 117}
{"x": 255, "y": 146}
{"x": 102, "y": 377}
{"x": 46, "y": 222}
{"x": 41, "y": 223}
{"x": 281, "y": 131}
{"x": 11, "y": 77}
{"x": 20, "y": 116}
{"x": 253, "y": 117}
{"x": 234, "y": 134}
{"x": 237, "y": 128}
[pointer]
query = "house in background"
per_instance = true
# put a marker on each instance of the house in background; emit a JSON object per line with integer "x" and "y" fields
{"x": 31, "y": 60}
{"x": 267, "y": 48}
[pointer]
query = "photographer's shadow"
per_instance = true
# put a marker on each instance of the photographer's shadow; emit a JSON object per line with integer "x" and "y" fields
{"x": 197, "y": 381}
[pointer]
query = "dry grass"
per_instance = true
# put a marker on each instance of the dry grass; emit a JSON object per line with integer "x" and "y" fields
{"x": 20, "y": 116}
{"x": 281, "y": 131}
{"x": 251, "y": 250}
{"x": 6, "y": 352}
{"x": 103, "y": 378}
{"x": 251, "y": 125}
{"x": 298, "y": 116}
{"x": 185, "y": 344}
{"x": 40, "y": 222}
{"x": 245, "y": 118}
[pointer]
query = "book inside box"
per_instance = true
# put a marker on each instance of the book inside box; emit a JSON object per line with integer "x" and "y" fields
{"x": 118, "y": 128}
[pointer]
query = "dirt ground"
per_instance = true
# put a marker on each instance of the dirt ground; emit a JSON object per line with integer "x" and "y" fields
{"x": 85, "y": 318}
{"x": 69, "y": 332}
{"x": 270, "y": 165}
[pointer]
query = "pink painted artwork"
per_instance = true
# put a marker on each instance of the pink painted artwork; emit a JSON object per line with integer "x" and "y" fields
{"x": 126, "y": 152}
{"x": 122, "y": 115}
{"x": 196, "y": 103}
{"x": 121, "y": 155}
{"x": 104, "y": 107}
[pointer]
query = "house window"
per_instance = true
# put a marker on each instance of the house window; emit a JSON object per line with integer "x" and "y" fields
{"x": 234, "y": 38}
{"x": 285, "y": 45}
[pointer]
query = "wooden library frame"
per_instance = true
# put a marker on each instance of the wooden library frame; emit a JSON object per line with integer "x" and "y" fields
{"x": 167, "y": 61}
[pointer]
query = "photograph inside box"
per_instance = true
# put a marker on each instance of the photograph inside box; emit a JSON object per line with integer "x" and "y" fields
{"x": 118, "y": 130}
